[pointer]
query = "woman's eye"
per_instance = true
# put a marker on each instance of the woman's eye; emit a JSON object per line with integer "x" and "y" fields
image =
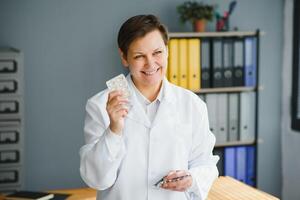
{"x": 157, "y": 52}
{"x": 137, "y": 57}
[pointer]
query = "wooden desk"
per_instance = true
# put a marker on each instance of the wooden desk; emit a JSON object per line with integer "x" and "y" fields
{"x": 227, "y": 188}
{"x": 224, "y": 188}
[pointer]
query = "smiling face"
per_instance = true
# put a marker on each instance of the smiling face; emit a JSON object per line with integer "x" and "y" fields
{"x": 147, "y": 61}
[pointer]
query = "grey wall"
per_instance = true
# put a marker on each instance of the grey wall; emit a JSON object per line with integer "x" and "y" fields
{"x": 70, "y": 50}
{"x": 290, "y": 138}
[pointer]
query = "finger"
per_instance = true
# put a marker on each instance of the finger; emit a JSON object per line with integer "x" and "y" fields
{"x": 176, "y": 182}
{"x": 171, "y": 174}
{"x": 179, "y": 183}
{"x": 171, "y": 186}
{"x": 114, "y": 110}
{"x": 116, "y": 116}
{"x": 116, "y": 104}
{"x": 116, "y": 98}
{"x": 175, "y": 174}
{"x": 176, "y": 186}
{"x": 114, "y": 93}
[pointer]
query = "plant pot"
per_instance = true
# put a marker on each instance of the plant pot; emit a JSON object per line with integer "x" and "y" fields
{"x": 199, "y": 25}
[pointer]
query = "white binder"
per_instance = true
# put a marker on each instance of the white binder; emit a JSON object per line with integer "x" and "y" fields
{"x": 222, "y": 122}
{"x": 247, "y": 116}
{"x": 211, "y": 102}
{"x": 233, "y": 116}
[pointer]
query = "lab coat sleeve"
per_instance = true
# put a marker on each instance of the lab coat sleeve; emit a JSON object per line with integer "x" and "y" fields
{"x": 202, "y": 163}
{"x": 102, "y": 154}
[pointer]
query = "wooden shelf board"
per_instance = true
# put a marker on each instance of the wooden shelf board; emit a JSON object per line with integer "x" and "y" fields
{"x": 225, "y": 89}
{"x": 236, "y": 143}
{"x": 212, "y": 34}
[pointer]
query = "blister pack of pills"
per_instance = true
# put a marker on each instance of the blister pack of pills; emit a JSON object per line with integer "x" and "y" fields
{"x": 119, "y": 83}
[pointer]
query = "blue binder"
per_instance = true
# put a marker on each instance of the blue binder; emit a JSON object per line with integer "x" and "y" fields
{"x": 250, "y": 62}
{"x": 230, "y": 162}
{"x": 241, "y": 163}
{"x": 250, "y": 178}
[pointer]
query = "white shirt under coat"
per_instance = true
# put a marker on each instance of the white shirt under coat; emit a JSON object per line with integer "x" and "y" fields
{"x": 176, "y": 137}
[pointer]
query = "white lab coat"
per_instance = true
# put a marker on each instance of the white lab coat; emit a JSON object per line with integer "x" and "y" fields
{"x": 178, "y": 139}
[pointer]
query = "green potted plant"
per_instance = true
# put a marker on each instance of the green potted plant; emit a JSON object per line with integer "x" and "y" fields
{"x": 197, "y": 13}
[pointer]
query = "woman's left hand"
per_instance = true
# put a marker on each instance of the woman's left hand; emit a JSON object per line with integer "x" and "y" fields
{"x": 181, "y": 184}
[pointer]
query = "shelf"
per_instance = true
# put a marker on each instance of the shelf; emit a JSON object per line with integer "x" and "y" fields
{"x": 225, "y": 89}
{"x": 212, "y": 34}
{"x": 236, "y": 143}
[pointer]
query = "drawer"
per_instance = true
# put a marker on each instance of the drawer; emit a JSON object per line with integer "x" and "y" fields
{"x": 9, "y": 157}
{"x": 10, "y": 108}
{"x": 8, "y": 67}
{"x": 9, "y": 176}
{"x": 9, "y": 135}
{"x": 10, "y": 86}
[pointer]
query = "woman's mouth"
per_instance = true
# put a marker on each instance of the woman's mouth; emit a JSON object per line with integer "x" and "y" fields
{"x": 150, "y": 72}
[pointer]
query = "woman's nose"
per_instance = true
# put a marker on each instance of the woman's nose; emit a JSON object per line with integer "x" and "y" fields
{"x": 150, "y": 61}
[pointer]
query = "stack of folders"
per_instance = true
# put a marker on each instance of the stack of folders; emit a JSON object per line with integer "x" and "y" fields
{"x": 228, "y": 62}
{"x": 231, "y": 116}
{"x": 211, "y": 63}
{"x": 184, "y": 63}
{"x": 237, "y": 162}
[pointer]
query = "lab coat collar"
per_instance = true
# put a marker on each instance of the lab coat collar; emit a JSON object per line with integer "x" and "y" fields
{"x": 166, "y": 109}
{"x": 136, "y": 112}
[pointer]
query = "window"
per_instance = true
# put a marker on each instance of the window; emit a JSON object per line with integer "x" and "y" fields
{"x": 296, "y": 69}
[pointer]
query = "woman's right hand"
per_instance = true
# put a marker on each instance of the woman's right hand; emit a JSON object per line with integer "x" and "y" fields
{"x": 117, "y": 109}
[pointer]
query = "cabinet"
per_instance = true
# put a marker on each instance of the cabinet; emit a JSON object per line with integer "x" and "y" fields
{"x": 222, "y": 69}
{"x": 11, "y": 119}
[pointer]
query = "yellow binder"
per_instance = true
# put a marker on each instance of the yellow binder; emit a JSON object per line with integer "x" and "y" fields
{"x": 194, "y": 65}
{"x": 173, "y": 61}
{"x": 183, "y": 62}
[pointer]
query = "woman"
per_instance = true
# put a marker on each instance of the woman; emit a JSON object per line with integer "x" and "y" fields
{"x": 164, "y": 133}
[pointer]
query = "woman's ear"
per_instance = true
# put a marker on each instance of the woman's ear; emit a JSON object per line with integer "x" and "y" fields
{"x": 123, "y": 58}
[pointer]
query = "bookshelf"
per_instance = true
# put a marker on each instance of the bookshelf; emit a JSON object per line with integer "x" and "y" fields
{"x": 232, "y": 101}
{"x": 11, "y": 120}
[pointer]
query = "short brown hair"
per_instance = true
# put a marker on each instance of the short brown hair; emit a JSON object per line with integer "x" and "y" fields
{"x": 138, "y": 26}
